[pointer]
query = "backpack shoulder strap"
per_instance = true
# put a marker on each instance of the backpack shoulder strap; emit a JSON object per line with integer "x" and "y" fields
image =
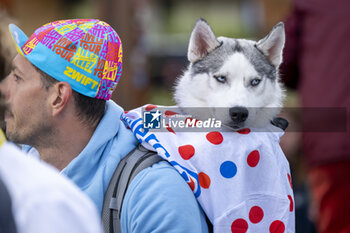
{"x": 127, "y": 169}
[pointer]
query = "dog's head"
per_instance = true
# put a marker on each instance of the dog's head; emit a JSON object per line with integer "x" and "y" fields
{"x": 235, "y": 79}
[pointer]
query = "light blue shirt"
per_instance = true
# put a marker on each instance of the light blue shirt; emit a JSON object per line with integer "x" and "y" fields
{"x": 93, "y": 168}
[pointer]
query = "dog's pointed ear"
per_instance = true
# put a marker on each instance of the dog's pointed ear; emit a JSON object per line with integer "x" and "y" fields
{"x": 272, "y": 45}
{"x": 202, "y": 41}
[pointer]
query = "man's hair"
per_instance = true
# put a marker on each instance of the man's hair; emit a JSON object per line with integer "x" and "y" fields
{"x": 89, "y": 110}
{"x": 7, "y": 50}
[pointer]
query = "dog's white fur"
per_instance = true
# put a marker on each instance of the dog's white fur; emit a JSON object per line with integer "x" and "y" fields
{"x": 203, "y": 89}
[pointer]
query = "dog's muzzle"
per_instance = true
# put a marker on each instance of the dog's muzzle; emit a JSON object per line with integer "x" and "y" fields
{"x": 238, "y": 114}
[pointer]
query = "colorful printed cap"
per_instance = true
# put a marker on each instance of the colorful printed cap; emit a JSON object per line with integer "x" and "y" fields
{"x": 86, "y": 53}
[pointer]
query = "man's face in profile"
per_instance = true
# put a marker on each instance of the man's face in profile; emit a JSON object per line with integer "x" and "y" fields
{"x": 26, "y": 117}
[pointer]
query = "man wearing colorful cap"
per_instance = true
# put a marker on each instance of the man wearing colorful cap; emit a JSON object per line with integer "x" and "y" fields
{"x": 58, "y": 96}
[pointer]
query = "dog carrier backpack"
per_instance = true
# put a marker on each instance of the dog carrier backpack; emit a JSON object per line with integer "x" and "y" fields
{"x": 137, "y": 160}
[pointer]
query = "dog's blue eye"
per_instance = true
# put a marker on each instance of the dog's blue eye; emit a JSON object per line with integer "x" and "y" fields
{"x": 220, "y": 79}
{"x": 255, "y": 82}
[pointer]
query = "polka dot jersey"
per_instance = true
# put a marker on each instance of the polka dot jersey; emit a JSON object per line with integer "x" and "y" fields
{"x": 241, "y": 179}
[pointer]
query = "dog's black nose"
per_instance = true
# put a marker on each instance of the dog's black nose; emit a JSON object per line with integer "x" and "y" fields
{"x": 238, "y": 114}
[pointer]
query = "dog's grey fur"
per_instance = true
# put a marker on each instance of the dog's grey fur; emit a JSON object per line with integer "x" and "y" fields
{"x": 222, "y": 73}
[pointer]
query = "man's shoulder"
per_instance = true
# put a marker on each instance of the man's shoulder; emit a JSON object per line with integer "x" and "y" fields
{"x": 161, "y": 173}
{"x": 159, "y": 183}
{"x": 159, "y": 191}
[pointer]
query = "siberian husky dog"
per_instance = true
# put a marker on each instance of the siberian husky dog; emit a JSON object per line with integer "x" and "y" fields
{"x": 240, "y": 177}
{"x": 237, "y": 79}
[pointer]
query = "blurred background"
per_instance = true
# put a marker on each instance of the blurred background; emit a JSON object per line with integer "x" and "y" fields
{"x": 155, "y": 35}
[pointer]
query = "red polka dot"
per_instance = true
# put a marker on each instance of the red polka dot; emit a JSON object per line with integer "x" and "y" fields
{"x": 186, "y": 151}
{"x": 169, "y": 129}
{"x": 290, "y": 181}
{"x": 204, "y": 180}
{"x": 150, "y": 107}
{"x": 244, "y": 131}
{"x": 126, "y": 112}
{"x": 215, "y": 137}
{"x": 191, "y": 184}
{"x": 169, "y": 113}
{"x": 253, "y": 158}
{"x": 239, "y": 226}
{"x": 291, "y": 204}
{"x": 256, "y": 214}
{"x": 277, "y": 227}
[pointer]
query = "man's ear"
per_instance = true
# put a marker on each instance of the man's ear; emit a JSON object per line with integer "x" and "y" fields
{"x": 60, "y": 96}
